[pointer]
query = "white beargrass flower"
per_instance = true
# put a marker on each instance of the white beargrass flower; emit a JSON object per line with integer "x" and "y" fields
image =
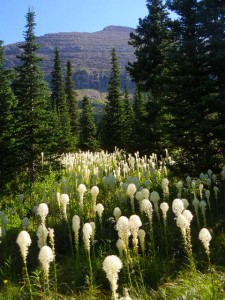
{"x": 122, "y": 226}
{"x": 64, "y": 201}
{"x": 183, "y": 224}
{"x": 139, "y": 196}
{"x": 24, "y": 241}
{"x": 154, "y": 197}
{"x": 146, "y": 207}
{"x": 202, "y": 206}
{"x": 164, "y": 208}
{"x": 205, "y": 237}
{"x": 185, "y": 202}
{"x": 42, "y": 234}
{"x": 145, "y": 193}
{"x": 165, "y": 187}
{"x": 134, "y": 224}
{"x": 200, "y": 187}
{"x": 207, "y": 195}
{"x": 121, "y": 247}
{"x": 117, "y": 213}
{"x": 93, "y": 231}
{"x": 188, "y": 215}
{"x": 179, "y": 187}
{"x": 177, "y": 206}
{"x": 141, "y": 235}
{"x": 25, "y": 222}
{"x": 112, "y": 266}
{"x": 94, "y": 194}
{"x": 87, "y": 232}
{"x": 76, "y": 228}
{"x": 45, "y": 257}
{"x": 58, "y": 198}
{"x": 42, "y": 211}
{"x": 82, "y": 189}
{"x": 52, "y": 240}
{"x": 216, "y": 190}
{"x": 131, "y": 190}
{"x": 99, "y": 208}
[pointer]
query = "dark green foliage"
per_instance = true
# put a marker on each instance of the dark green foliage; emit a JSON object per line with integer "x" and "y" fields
{"x": 72, "y": 101}
{"x": 113, "y": 120}
{"x": 7, "y": 142}
{"x": 88, "y": 140}
{"x": 60, "y": 106}
{"x": 32, "y": 115}
{"x": 128, "y": 120}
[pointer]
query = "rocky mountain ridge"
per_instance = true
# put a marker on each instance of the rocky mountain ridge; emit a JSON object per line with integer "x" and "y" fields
{"x": 90, "y": 54}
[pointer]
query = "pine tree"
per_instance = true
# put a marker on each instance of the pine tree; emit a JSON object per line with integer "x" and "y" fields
{"x": 113, "y": 120}
{"x": 128, "y": 121}
{"x": 150, "y": 40}
{"x": 72, "y": 103}
{"x": 32, "y": 117}
{"x": 88, "y": 140}
{"x": 7, "y": 127}
{"x": 60, "y": 107}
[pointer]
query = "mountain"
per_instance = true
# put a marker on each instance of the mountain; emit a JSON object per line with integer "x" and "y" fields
{"x": 90, "y": 54}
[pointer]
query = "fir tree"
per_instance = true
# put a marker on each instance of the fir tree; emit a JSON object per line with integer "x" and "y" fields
{"x": 88, "y": 140}
{"x": 128, "y": 120}
{"x": 113, "y": 120}
{"x": 72, "y": 104}
{"x": 60, "y": 107}
{"x": 7, "y": 127}
{"x": 33, "y": 130}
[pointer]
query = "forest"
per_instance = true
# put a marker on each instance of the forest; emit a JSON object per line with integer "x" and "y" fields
{"x": 124, "y": 206}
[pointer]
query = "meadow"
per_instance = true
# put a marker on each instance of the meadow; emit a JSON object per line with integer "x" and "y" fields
{"x": 115, "y": 226}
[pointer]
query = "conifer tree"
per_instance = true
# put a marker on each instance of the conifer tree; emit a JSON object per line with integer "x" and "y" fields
{"x": 128, "y": 121}
{"x": 72, "y": 103}
{"x": 113, "y": 120}
{"x": 33, "y": 115}
{"x": 7, "y": 127}
{"x": 60, "y": 107}
{"x": 88, "y": 140}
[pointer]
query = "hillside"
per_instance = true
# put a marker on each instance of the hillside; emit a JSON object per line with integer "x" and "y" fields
{"x": 90, "y": 54}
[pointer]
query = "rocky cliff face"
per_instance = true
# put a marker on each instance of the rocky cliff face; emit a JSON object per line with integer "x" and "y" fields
{"x": 90, "y": 54}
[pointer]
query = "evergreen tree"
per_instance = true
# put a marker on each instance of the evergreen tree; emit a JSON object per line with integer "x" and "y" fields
{"x": 151, "y": 40}
{"x": 88, "y": 140}
{"x": 60, "y": 107}
{"x": 113, "y": 120}
{"x": 128, "y": 120}
{"x": 72, "y": 104}
{"x": 7, "y": 106}
{"x": 33, "y": 130}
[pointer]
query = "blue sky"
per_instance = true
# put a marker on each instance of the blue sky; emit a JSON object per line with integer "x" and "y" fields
{"x": 67, "y": 15}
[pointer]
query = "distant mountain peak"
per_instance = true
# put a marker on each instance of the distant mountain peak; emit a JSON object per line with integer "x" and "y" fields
{"x": 118, "y": 28}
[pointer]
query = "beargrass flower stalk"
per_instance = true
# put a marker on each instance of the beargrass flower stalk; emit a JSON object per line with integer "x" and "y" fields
{"x": 24, "y": 241}
{"x": 117, "y": 213}
{"x": 121, "y": 247}
{"x": 188, "y": 180}
{"x": 82, "y": 189}
{"x": 200, "y": 187}
{"x": 52, "y": 243}
{"x": 25, "y": 223}
{"x": 177, "y": 206}
{"x": 94, "y": 194}
{"x": 134, "y": 225}
{"x": 193, "y": 185}
{"x": 141, "y": 236}
{"x": 45, "y": 257}
{"x": 205, "y": 237}
{"x": 42, "y": 211}
{"x": 216, "y": 190}
{"x": 76, "y": 228}
{"x": 99, "y": 208}
{"x": 196, "y": 203}
{"x": 165, "y": 188}
{"x": 207, "y": 195}
{"x": 131, "y": 190}
{"x": 112, "y": 266}
{"x": 58, "y": 199}
{"x": 185, "y": 202}
{"x": 87, "y": 233}
{"x": 42, "y": 234}
{"x": 202, "y": 206}
{"x": 122, "y": 226}
{"x": 145, "y": 193}
{"x": 64, "y": 201}
{"x": 93, "y": 232}
{"x": 154, "y": 197}
{"x": 164, "y": 208}
{"x": 179, "y": 188}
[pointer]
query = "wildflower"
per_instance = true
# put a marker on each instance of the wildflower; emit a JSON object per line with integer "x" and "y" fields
{"x": 154, "y": 197}
{"x": 202, "y": 206}
{"x": 42, "y": 211}
{"x": 99, "y": 208}
{"x": 76, "y": 228}
{"x": 45, "y": 257}
{"x": 131, "y": 190}
{"x": 188, "y": 215}
{"x": 52, "y": 240}
{"x": 179, "y": 187}
{"x": 42, "y": 234}
{"x": 87, "y": 232}
{"x": 183, "y": 224}
{"x": 205, "y": 237}
{"x": 112, "y": 266}
{"x": 82, "y": 189}
{"x": 24, "y": 241}
{"x": 185, "y": 202}
{"x": 216, "y": 190}
{"x": 165, "y": 187}
{"x": 177, "y": 206}
{"x": 64, "y": 200}
{"x": 122, "y": 226}
{"x": 134, "y": 224}
{"x": 207, "y": 195}
{"x": 117, "y": 213}
{"x": 139, "y": 196}
{"x": 146, "y": 207}
{"x": 141, "y": 235}
{"x": 145, "y": 193}
{"x": 164, "y": 208}
{"x": 120, "y": 246}
{"x": 94, "y": 194}
{"x": 93, "y": 231}
{"x": 200, "y": 187}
